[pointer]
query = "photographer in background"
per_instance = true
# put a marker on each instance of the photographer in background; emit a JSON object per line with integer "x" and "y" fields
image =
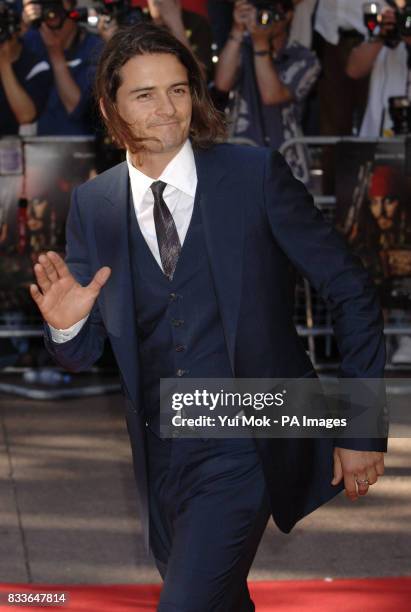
{"x": 73, "y": 53}
{"x": 24, "y": 79}
{"x": 386, "y": 57}
{"x": 269, "y": 77}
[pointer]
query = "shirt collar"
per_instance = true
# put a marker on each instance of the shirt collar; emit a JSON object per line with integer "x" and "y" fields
{"x": 139, "y": 183}
{"x": 179, "y": 173}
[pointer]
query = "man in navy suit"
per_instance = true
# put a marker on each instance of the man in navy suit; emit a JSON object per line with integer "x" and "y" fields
{"x": 180, "y": 256}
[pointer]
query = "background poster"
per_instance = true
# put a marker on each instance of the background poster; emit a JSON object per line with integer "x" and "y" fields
{"x": 374, "y": 213}
{"x": 33, "y": 208}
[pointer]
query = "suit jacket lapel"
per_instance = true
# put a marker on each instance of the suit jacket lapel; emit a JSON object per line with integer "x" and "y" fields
{"x": 111, "y": 235}
{"x": 223, "y": 221}
{"x": 117, "y": 298}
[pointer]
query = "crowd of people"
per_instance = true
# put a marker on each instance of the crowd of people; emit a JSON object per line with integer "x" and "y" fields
{"x": 279, "y": 68}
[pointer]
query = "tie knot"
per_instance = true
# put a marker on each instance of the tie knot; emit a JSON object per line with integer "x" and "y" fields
{"x": 157, "y": 188}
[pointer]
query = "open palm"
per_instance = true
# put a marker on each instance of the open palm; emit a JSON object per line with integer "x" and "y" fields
{"x": 61, "y": 300}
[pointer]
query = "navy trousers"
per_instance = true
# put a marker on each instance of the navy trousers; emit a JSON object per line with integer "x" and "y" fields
{"x": 209, "y": 508}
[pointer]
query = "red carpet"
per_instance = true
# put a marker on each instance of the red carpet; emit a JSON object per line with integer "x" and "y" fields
{"x": 359, "y": 595}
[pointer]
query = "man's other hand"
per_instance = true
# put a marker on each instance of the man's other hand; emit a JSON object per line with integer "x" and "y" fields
{"x": 61, "y": 300}
{"x": 355, "y": 467}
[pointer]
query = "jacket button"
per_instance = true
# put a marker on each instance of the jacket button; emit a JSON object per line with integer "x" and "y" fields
{"x": 181, "y": 372}
{"x": 173, "y": 297}
{"x": 180, "y": 348}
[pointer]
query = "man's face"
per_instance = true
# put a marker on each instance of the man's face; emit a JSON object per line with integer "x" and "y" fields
{"x": 154, "y": 98}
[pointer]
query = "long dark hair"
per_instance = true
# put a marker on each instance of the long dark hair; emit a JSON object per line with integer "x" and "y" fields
{"x": 207, "y": 124}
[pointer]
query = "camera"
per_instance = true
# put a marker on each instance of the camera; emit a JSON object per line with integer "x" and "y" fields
{"x": 9, "y": 21}
{"x": 53, "y": 14}
{"x": 372, "y": 16}
{"x": 124, "y": 12}
{"x": 270, "y": 11}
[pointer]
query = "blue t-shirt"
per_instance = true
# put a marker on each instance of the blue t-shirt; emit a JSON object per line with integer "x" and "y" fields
{"x": 82, "y": 60}
{"x": 34, "y": 75}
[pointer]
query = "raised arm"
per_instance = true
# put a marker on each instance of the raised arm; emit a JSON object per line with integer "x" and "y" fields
{"x": 66, "y": 293}
{"x": 230, "y": 56}
{"x": 362, "y": 57}
{"x": 19, "y": 100}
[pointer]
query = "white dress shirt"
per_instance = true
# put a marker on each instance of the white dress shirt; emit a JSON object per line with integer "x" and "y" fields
{"x": 181, "y": 178}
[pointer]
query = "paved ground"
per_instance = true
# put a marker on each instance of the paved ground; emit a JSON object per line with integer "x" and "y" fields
{"x": 68, "y": 515}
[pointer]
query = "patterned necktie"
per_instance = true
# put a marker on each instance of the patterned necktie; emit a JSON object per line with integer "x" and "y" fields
{"x": 167, "y": 237}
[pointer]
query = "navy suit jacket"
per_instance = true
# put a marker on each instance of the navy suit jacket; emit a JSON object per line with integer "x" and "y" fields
{"x": 256, "y": 218}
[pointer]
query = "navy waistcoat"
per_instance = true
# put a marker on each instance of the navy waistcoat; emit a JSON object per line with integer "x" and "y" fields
{"x": 178, "y": 322}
